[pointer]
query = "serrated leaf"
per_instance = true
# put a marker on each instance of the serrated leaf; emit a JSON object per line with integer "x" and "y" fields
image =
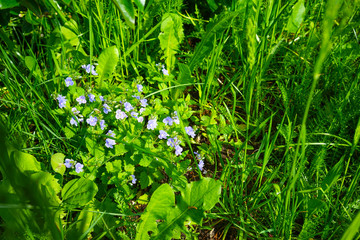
{"x": 127, "y": 10}
{"x": 120, "y": 149}
{"x": 216, "y": 27}
{"x": 78, "y": 192}
{"x": 108, "y": 60}
{"x": 170, "y": 37}
{"x": 48, "y": 185}
{"x": 297, "y": 16}
{"x": 57, "y": 163}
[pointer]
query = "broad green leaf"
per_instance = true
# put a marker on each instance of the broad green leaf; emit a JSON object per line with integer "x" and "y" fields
{"x": 70, "y": 33}
{"x": 83, "y": 223}
{"x": 30, "y": 63}
{"x": 4, "y": 4}
{"x": 170, "y": 37}
{"x": 78, "y": 192}
{"x": 297, "y": 16}
{"x": 162, "y": 200}
{"x": 127, "y": 10}
{"x": 212, "y": 4}
{"x": 48, "y": 186}
{"x": 57, "y": 163}
{"x": 140, "y": 4}
{"x": 69, "y": 133}
{"x": 213, "y": 29}
{"x": 108, "y": 60}
{"x": 353, "y": 229}
{"x": 25, "y": 162}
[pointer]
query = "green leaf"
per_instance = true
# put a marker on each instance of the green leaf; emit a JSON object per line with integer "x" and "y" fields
{"x": 162, "y": 200}
{"x": 57, "y": 163}
{"x": 48, "y": 186}
{"x": 69, "y": 133}
{"x": 4, "y": 4}
{"x": 83, "y": 223}
{"x": 78, "y": 192}
{"x": 25, "y": 162}
{"x": 297, "y": 17}
{"x": 108, "y": 60}
{"x": 127, "y": 10}
{"x": 170, "y": 37}
{"x": 213, "y": 29}
{"x": 140, "y": 4}
{"x": 332, "y": 176}
{"x": 353, "y": 229}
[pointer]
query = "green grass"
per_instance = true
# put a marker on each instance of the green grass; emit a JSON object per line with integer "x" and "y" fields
{"x": 276, "y": 108}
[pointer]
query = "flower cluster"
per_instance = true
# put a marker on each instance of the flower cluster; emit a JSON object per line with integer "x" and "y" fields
{"x": 200, "y": 159}
{"x": 69, "y": 163}
{"x": 163, "y": 69}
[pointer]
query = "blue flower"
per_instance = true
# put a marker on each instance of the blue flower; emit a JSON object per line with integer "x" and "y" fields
{"x": 168, "y": 121}
{"x": 62, "y": 101}
{"x": 79, "y": 167}
{"x": 75, "y": 111}
{"x": 173, "y": 142}
{"x": 68, "y": 163}
{"x": 74, "y": 121}
{"x": 120, "y": 114}
{"x": 137, "y": 97}
{"x": 90, "y": 68}
{"x": 143, "y": 102}
{"x": 152, "y": 124}
{"x": 140, "y": 119}
{"x": 176, "y": 118}
{"x": 140, "y": 88}
{"x": 201, "y": 165}
{"x": 128, "y": 106}
{"x": 102, "y": 124}
{"x": 91, "y": 97}
{"x": 165, "y": 72}
{"x": 134, "y": 114}
{"x": 81, "y": 100}
{"x": 198, "y": 156}
{"x": 142, "y": 110}
{"x": 69, "y": 81}
{"x": 178, "y": 150}
{"x": 133, "y": 180}
{"x": 106, "y": 108}
{"x": 190, "y": 131}
{"x": 101, "y": 98}
{"x": 109, "y": 143}
{"x": 92, "y": 120}
{"x": 111, "y": 133}
{"x": 163, "y": 134}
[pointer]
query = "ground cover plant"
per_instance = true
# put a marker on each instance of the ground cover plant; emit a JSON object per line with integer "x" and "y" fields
{"x": 179, "y": 119}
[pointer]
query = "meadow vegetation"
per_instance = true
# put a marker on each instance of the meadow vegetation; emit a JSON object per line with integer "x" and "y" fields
{"x": 179, "y": 119}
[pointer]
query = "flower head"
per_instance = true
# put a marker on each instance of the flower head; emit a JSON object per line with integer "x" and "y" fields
{"x": 106, "y": 108}
{"x": 178, "y": 150}
{"x": 133, "y": 180}
{"x": 68, "y": 163}
{"x": 137, "y": 97}
{"x": 79, "y": 167}
{"x": 163, "y": 134}
{"x": 74, "y": 121}
{"x": 142, "y": 110}
{"x": 201, "y": 165}
{"x": 120, "y": 114}
{"x": 109, "y": 143}
{"x": 139, "y": 88}
{"x": 140, "y": 119}
{"x": 75, "y": 111}
{"x": 90, "y": 68}
{"x": 165, "y": 71}
{"x": 152, "y": 124}
{"x": 101, "y": 98}
{"x": 92, "y": 120}
{"x": 134, "y": 114}
{"x": 62, "y": 101}
{"x": 91, "y": 97}
{"x": 143, "y": 102}
{"x": 69, "y": 81}
{"x": 168, "y": 121}
{"x": 102, "y": 124}
{"x": 190, "y": 131}
{"x": 128, "y": 106}
{"x": 81, "y": 100}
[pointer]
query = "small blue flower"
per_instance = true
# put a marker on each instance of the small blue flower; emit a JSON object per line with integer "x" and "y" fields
{"x": 68, "y": 163}
{"x": 109, "y": 143}
{"x": 102, "y": 124}
{"x": 178, "y": 150}
{"x": 74, "y": 121}
{"x": 143, "y": 102}
{"x": 69, "y": 81}
{"x": 140, "y": 88}
{"x": 201, "y": 165}
{"x": 106, "y": 108}
{"x": 101, "y": 98}
{"x": 165, "y": 72}
{"x": 75, "y": 111}
{"x": 111, "y": 133}
{"x": 152, "y": 124}
{"x": 128, "y": 106}
{"x": 134, "y": 114}
{"x": 168, "y": 121}
{"x": 120, "y": 114}
{"x": 163, "y": 134}
{"x": 92, "y": 120}
{"x": 142, "y": 110}
{"x": 90, "y": 68}
{"x": 81, "y": 100}
{"x": 176, "y": 118}
{"x": 91, "y": 97}
{"x": 190, "y": 131}
{"x": 140, "y": 119}
{"x": 79, "y": 167}
{"x": 62, "y": 101}
{"x": 133, "y": 180}
{"x": 137, "y": 97}
{"x": 173, "y": 142}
